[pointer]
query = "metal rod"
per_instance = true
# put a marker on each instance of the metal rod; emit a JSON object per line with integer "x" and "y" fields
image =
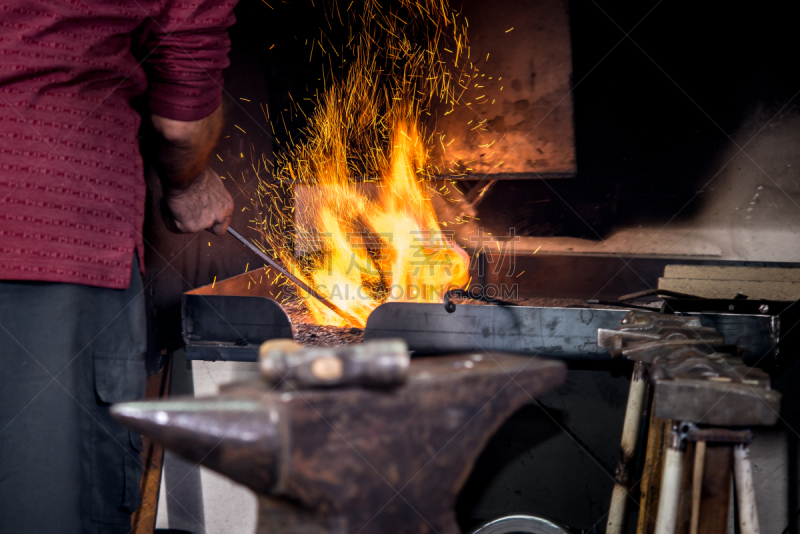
{"x": 292, "y": 278}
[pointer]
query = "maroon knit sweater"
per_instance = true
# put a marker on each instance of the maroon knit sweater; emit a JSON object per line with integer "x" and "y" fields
{"x": 72, "y": 190}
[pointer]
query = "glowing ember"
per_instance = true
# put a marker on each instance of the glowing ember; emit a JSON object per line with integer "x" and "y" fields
{"x": 368, "y": 226}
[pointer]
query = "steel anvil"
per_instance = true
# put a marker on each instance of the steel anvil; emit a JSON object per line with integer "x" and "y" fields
{"x": 352, "y": 459}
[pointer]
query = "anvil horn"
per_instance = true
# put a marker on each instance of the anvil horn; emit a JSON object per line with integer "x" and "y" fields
{"x": 237, "y": 437}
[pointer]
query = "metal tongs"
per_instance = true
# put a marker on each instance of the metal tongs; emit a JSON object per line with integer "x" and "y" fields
{"x": 292, "y": 278}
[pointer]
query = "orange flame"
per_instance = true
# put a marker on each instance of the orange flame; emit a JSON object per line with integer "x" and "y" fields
{"x": 357, "y": 177}
{"x": 382, "y": 247}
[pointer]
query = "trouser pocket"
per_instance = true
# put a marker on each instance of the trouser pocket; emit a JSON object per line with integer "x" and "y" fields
{"x": 116, "y": 450}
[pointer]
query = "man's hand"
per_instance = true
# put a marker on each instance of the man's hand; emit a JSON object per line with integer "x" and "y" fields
{"x": 203, "y": 204}
{"x": 194, "y": 197}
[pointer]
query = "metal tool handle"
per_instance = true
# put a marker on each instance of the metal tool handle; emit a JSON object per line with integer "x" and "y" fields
{"x": 292, "y": 278}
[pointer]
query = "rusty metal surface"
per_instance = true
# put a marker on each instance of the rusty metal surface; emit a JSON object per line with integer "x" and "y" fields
{"x": 717, "y": 403}
{"x": 526, "y": 95}
{"x": 337, "y": 460}
{"x": 644, "y": 336}
{"x": 555, "y": 332}
{"x": 657, "y": 434}
{"x": 564, "y": 333}
{"x": 258, "y": 282}
{"x": 715, "y": 389}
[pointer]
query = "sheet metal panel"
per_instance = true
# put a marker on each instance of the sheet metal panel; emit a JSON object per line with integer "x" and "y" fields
{"x": 565, "y": 333}
{"x": 559, "y": 332}
{"x": 229, "y": 319}
{"x": 516, "y": 118}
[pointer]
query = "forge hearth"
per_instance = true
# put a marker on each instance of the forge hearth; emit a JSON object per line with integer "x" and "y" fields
{"x": 231, "y": 318}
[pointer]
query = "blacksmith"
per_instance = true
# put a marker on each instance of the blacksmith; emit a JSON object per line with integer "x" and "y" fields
{"x": 72, "y": 198}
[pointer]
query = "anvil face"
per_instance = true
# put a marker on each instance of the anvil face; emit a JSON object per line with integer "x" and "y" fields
{"x": 353, "y": 459}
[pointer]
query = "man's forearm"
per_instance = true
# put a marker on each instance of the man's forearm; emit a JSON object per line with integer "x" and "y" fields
{"x": 182, "y": 148}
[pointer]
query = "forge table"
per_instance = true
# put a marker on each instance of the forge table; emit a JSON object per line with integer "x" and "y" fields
{"x": 231, "y": 318}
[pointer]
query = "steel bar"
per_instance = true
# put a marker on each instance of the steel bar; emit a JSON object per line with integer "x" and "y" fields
{"x": 719, "y": 435}
{"x": 292, "y": 278}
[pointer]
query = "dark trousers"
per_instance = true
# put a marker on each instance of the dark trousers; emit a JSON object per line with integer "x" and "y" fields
{"x": 66, "y": 353}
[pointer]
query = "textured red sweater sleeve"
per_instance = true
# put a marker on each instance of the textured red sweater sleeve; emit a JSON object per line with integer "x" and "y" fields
{"x": 72, "y": 191}
{"x": 187, "y": 50}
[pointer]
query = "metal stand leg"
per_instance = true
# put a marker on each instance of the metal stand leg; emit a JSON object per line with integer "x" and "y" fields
{"x": 630, "y": 436}
{"x": 745, "y": 492}
{"x": 670, "y": 484}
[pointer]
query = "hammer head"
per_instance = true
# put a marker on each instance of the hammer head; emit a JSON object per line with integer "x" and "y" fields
{"x": 376, "y": 363}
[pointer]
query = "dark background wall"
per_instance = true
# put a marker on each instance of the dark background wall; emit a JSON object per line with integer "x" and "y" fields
{"x": 651, "y": 120}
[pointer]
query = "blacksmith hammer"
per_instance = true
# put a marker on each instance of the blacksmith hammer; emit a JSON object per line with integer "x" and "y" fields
{"x": 375, "y": 363}
{"x": 352, "y": 459}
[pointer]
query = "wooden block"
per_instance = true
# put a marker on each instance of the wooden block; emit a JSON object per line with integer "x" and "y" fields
{"x": 143, "y": 520}
{"x": 716, "y": 272}
{"x": 657, "y": 436}
{"x": 726, "y": 289}
{"x": 715, "y": 495}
